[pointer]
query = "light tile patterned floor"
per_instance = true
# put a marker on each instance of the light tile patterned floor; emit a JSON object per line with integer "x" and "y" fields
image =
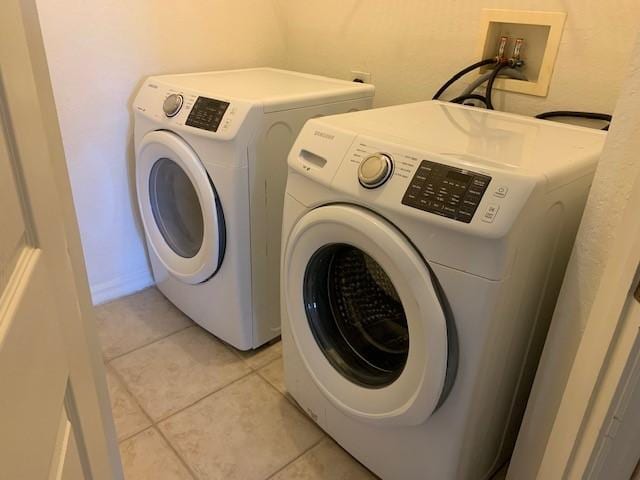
{"x": 188, "y": 406}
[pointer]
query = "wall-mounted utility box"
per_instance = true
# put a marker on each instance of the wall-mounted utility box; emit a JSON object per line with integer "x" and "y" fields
{"x": 541, "y": 32}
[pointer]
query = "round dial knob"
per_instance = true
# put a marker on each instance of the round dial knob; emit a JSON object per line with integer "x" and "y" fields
{"x": 375, "y": 170}
{"x": 172, "y": 105}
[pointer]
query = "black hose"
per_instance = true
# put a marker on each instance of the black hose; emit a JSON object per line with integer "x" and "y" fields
{"x": 462, "y": 73}
{"x": 568, "y": 113}
{"x": 470, "y": 96}
{"x": 489, "y": 92}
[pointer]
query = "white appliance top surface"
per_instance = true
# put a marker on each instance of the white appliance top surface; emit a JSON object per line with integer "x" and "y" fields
{"x": 500, "y": 140}
{"x": 265, "y": 84}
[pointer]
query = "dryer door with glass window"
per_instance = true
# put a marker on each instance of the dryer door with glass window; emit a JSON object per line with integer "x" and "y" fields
{"x": 367, "y": 316}
{"x": 180, "y": 208}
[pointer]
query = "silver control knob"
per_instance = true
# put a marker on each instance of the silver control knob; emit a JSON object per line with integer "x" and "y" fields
{"x": 172, "y": 104}
{"x": 375, "y": 170}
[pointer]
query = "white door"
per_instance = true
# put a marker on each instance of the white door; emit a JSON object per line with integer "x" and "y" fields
{"x": 367, "y": 316}
{"x": 55, "y": 421}
{"x": 180, "y": 209}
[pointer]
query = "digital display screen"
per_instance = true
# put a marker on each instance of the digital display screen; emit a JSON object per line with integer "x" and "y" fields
{"x": 458, "y": 177}
{"x": 446, "y": 191}
{"x": 207, "y": 113}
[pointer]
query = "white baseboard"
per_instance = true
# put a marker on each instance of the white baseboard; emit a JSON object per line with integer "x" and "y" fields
{"x": 121, "y": 286}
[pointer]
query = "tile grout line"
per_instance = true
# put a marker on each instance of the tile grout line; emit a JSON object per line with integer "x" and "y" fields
{"x": 125, "y": 387}
{"x": 162, "y": 419}
{"x": 323, "y": 435}
{"x": 168, "y": 440}
{"x": 135, "y": 399}
{"x": 153, "y": 424}
{"x": 182, "y": 409}
{"x": 130, "y": 436}
{"x": 286, "y": 395}
{"x": 322, "y": 438}
{"x": 267, "y": 380}
{"x": 177, "y": 453}
{"x": 237, "y": 353}
{"x": 120, "y": 355}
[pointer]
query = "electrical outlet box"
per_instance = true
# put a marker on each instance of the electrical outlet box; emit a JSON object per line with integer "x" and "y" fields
{"x": 541, "y": 33}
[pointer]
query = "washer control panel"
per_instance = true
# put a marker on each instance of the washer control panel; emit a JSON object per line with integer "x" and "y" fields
{"x": 446, "y": 191}
{"x": 207, "y": 113}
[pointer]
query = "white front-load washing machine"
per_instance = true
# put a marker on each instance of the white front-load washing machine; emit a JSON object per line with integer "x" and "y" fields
{"x": 211, "y": 152}
{"x": 423, "y": 249}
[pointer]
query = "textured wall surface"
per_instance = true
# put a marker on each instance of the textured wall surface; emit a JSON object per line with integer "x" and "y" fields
{"x": 411, "y": 47}
{"x": 617, "y": 173}
{"x": 98, "y": 54}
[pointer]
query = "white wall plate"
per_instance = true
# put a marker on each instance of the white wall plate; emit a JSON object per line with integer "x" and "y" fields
{"x": 541, "y": 32}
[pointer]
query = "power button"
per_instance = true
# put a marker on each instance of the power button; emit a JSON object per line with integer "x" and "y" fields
{"x": 501, "y": 191}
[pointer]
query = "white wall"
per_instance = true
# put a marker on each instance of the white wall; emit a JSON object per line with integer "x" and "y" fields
{"x": 98, "y": 54}
{"x": 412, "y": 46}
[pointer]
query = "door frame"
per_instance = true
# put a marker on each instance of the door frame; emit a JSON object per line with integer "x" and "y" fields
{"x": 604, "y": 372}
{"x": 592, "y": 421}
{"x": 94, "y": 410}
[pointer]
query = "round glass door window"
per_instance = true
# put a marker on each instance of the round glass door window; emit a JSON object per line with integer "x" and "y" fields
{"x": 176, "y": 208}
{"x": 356, "y": 315}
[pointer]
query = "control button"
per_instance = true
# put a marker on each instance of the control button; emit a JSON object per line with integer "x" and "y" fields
{"x": 464, "y": 216}
{"x": 480, "y": 182}
{"x": 490, "y": 213}
{"x": 501, "y": 191}
{"x": 375, "y": 170}
{"x": 410, "y": 198}
{"x": 172, "y": 105}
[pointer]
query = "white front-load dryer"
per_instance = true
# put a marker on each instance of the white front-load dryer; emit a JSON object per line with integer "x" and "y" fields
{"x": 423, "y": 249}
{"x": 211, "y": 153}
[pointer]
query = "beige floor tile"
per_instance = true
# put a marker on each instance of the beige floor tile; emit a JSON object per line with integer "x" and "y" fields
{"x": 178, "y": 370}
{"x": 130, "y": 322}
{"x": 274, "y": 374}
{"x": 245, "y": 431}
{"x": 325, "y": 461}
{"x": 127, "y": 415}
{"x": 147, "y": 456}
{"x": 260, "y": 357}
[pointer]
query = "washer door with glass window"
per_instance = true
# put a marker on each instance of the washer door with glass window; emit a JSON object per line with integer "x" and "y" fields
{"x": 366, "y": 317}
{"x": 180, "y": 208}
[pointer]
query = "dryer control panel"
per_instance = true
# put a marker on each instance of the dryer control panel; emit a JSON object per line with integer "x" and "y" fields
{"x": 446, "y": 191}
{"x": 207, "y": 113}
